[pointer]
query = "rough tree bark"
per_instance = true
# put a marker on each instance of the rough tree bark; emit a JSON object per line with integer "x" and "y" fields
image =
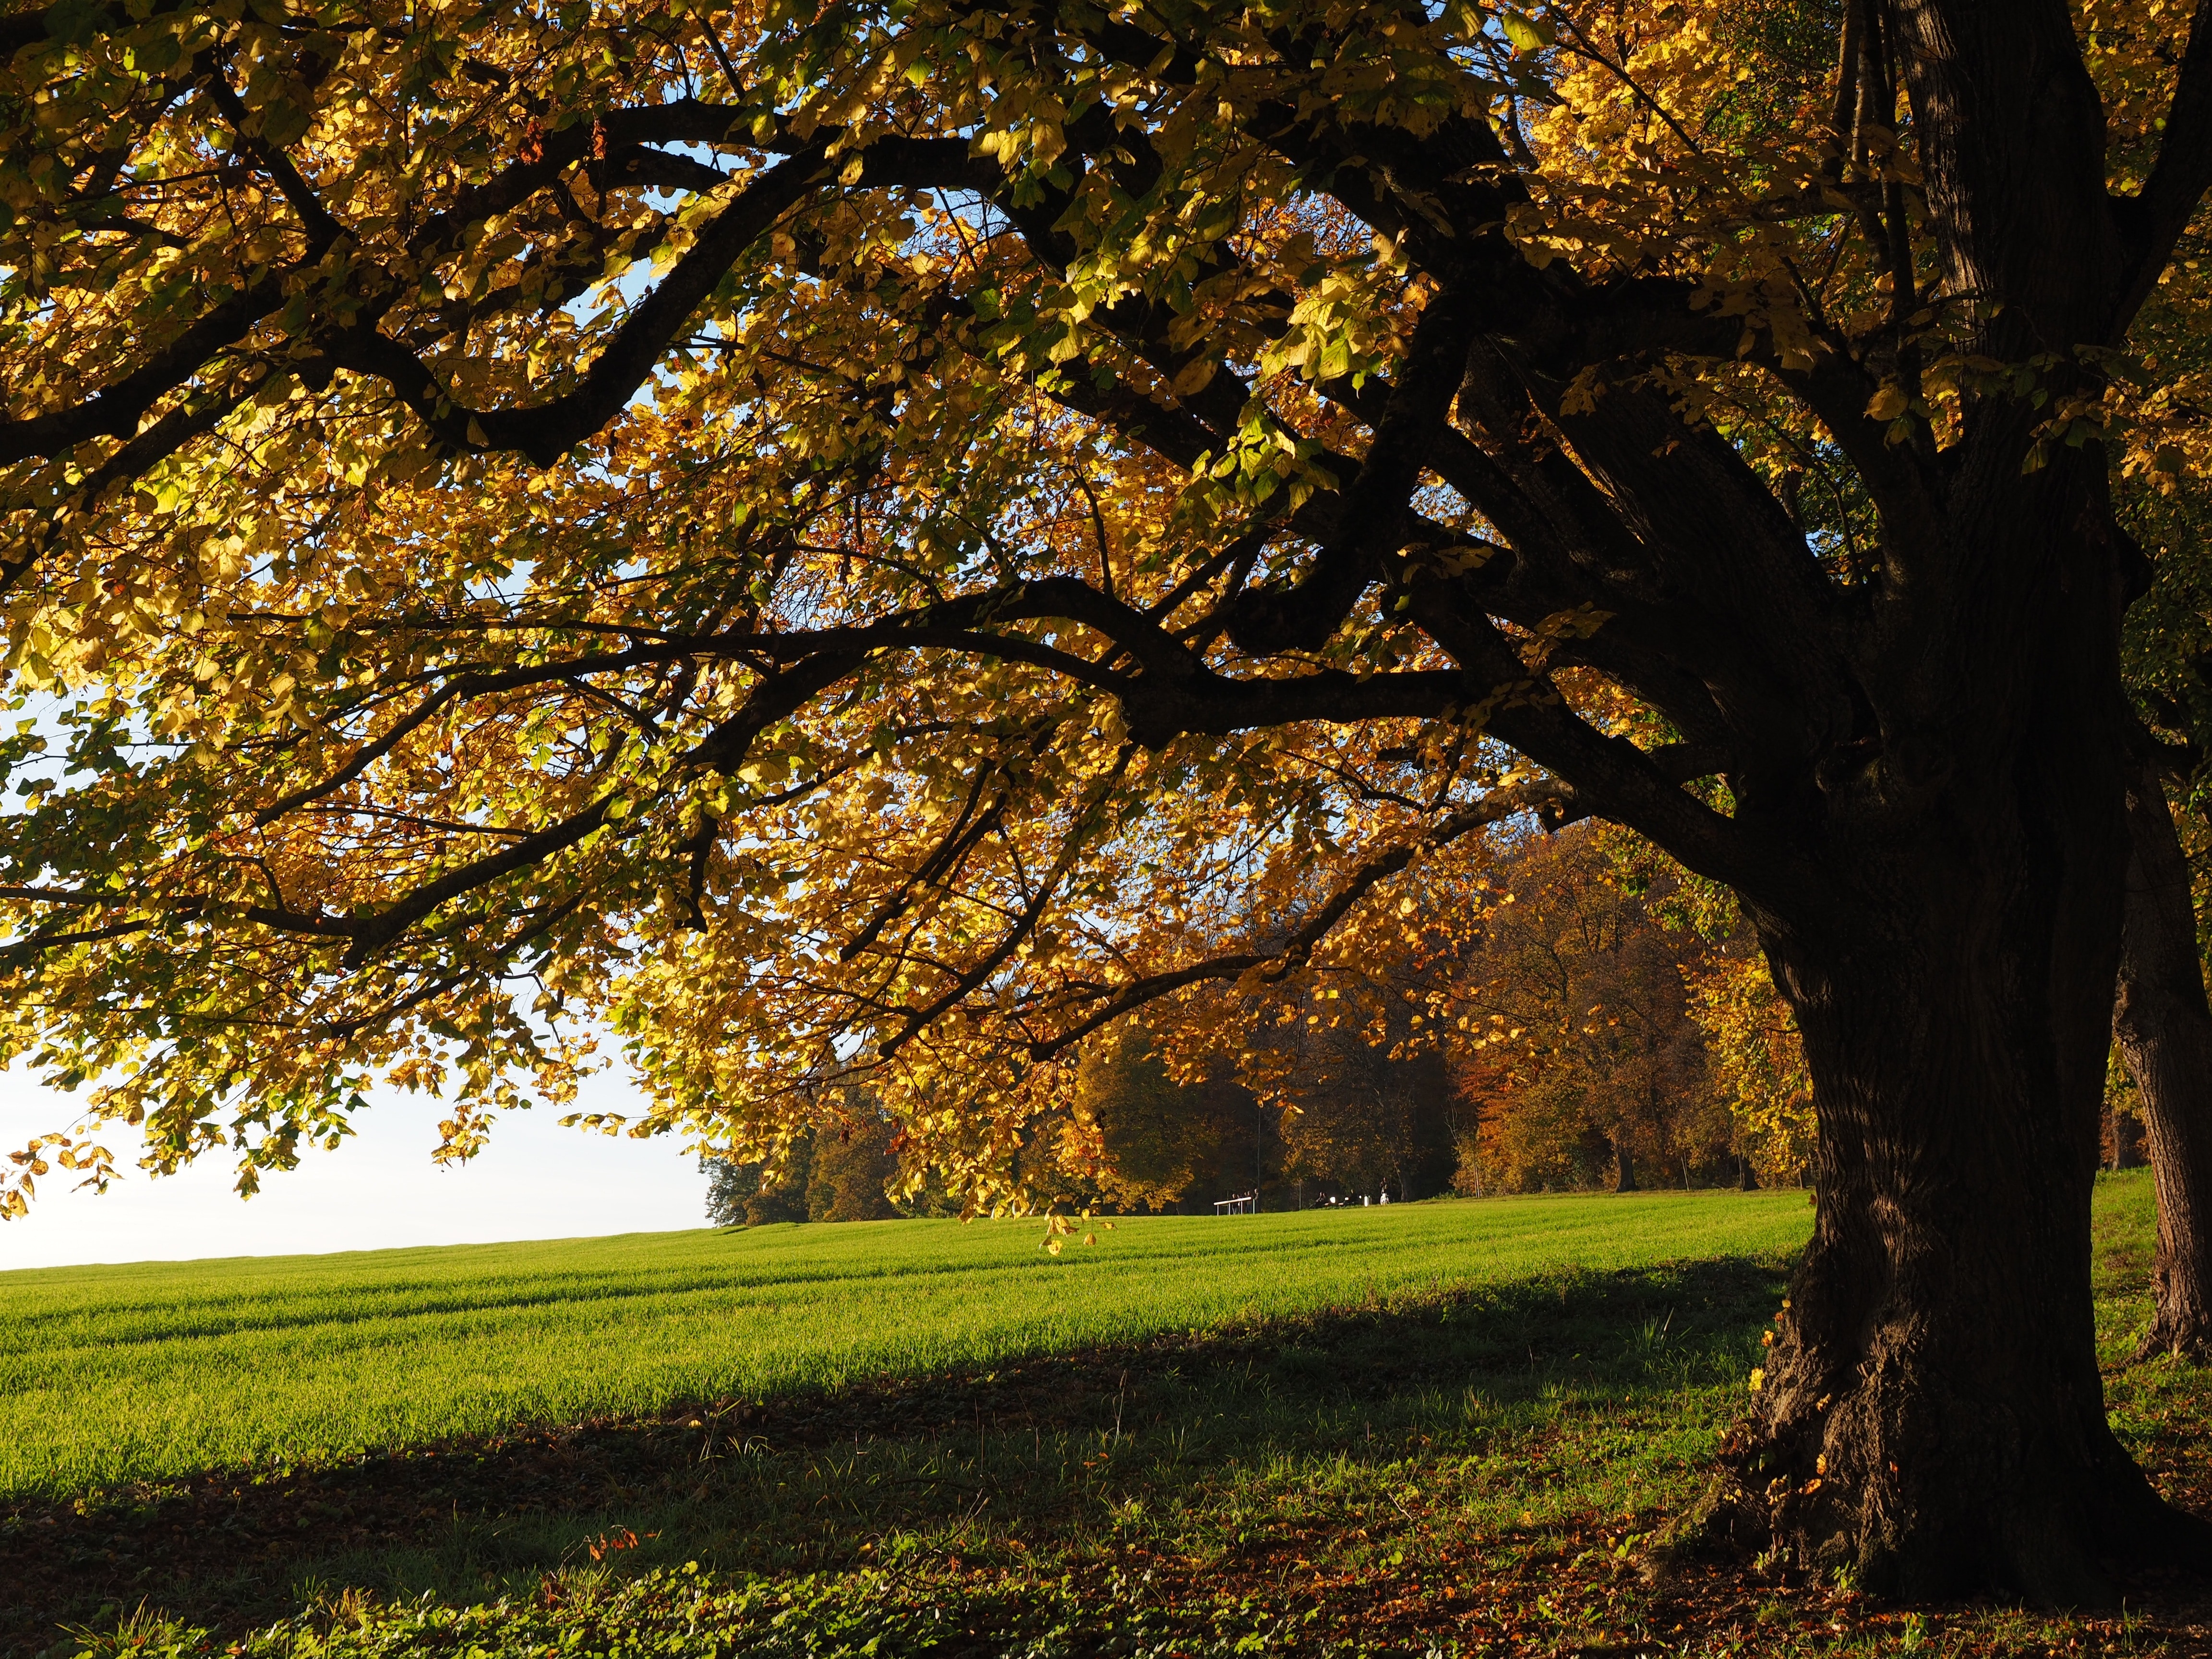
{"x": 1931, "y": 1415}
{"x": 2164, "y": 1029}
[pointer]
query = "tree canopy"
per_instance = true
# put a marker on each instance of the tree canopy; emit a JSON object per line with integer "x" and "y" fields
{"x": 852, "y": 547}
{"x": 870, "y": 541}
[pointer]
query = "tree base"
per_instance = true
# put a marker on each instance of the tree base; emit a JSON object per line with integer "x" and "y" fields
{"x": 2189, "y": 1339}
{"x": 1757, "y": 1510}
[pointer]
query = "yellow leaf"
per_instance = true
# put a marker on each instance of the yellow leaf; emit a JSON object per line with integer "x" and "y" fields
{"x": 1193, "y": 377}
{"x": 1887, "y": 404}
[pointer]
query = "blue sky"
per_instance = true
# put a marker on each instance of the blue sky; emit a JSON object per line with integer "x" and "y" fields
{"x": 536, "y": 1180}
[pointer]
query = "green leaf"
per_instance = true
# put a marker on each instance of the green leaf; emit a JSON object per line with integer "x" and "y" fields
{"x": 1526, "y": 32}
{"x": 284, "y": 123}
{"x": 73, "y": 22}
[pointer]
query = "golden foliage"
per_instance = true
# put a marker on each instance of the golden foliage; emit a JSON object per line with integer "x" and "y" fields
{"x": 1580, "y": 1057}
{"x": 1757, "y": 1062}
{"x": 762, "y": 537}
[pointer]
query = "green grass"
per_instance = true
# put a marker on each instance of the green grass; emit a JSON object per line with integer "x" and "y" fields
{"x": 1349, "y": 1457}
{"x": 157, "y": 1370}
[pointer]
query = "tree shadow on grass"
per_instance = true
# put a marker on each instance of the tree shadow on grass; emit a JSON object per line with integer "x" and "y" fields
{"x": 1117, "y": 1448}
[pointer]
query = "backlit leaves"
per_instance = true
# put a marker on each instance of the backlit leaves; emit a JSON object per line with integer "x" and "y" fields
{"x": 757, "y": 539}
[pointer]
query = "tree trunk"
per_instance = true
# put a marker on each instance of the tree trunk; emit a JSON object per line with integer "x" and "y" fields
{"x": 2164, "y": 1030}
{"x": 2126, "y": 1132}
{"x": 1625, "y": 1161}
{"x": 1747, "y": 1177}
{"x": 1930, "y": 1418}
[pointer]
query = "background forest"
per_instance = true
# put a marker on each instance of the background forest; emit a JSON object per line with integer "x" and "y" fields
{"x": 1595, "y": 1020}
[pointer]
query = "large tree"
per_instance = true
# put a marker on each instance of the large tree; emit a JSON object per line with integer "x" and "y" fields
{"x": 858, "y": 545}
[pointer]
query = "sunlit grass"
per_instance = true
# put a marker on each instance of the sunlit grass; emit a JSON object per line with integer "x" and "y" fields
{"x": 112, "y": 1374}
{"x": 1452, "y": 1430}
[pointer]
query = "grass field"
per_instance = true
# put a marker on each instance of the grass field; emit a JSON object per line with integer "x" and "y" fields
{"x": 144, "y": 1372}
{"x": 1441, "y": 1430}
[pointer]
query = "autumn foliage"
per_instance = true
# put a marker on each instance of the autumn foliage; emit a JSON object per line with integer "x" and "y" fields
{"x": 493, "y": 708}
{"x": 856, "y": 557}
{"x": 1595, "y": 1018}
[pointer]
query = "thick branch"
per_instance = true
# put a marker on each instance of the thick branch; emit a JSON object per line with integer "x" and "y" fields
{"x": 2153, "y": 220}
{"x": 117, "y": 411}
{"x": 547, "y": 431}
{"x": 1371, "y": 518}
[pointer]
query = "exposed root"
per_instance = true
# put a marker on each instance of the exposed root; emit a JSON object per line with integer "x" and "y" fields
{"x": 1760, "y": 1508}
{"x": 2182, "y": 1338}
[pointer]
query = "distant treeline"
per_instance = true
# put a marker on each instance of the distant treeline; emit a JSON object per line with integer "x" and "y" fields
{"x": 1605, "y": 1022}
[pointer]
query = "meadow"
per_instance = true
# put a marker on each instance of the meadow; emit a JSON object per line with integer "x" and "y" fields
{"x": 1437, "y": 1430}
{"x": 112, "y": 1374}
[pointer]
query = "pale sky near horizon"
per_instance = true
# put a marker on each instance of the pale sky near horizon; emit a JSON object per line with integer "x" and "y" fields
{"x": 380, "y": 1190}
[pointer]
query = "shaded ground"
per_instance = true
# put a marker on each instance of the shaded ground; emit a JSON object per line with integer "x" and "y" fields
{"x": 1456, "y": 1474}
